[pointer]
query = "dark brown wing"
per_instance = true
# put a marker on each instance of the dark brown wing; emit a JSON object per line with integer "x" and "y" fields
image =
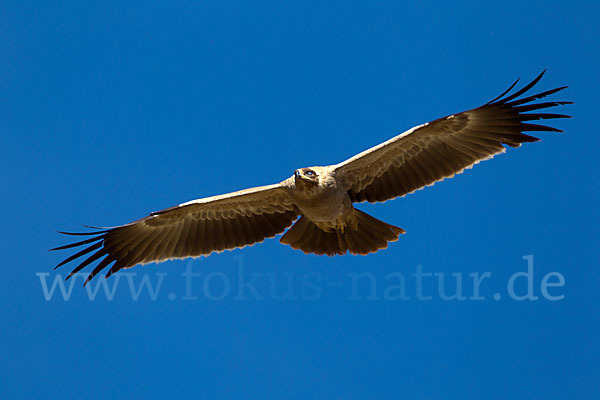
{"x": 442, "y": 148}
{"x": 192, "y": 229}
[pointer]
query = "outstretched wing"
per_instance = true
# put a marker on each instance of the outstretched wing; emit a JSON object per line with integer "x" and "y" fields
{"x": 442, "y": 148}
{"x": 191, "y": 229}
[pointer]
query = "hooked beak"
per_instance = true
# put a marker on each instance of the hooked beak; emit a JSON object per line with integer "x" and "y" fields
{"x": 297, "y": 174}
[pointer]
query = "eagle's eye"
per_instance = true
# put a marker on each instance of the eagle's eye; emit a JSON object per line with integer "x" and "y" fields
{"x": 309, "y": 172}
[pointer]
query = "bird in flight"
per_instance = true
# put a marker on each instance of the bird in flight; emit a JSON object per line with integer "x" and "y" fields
{"x": 323, "y": 197}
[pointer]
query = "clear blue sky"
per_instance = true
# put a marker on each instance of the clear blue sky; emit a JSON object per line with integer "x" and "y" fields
{"x": 110, "y": 110}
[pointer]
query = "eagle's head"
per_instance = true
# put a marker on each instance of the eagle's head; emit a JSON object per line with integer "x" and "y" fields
{"x": 306, "y": 174}
{"x": 306, "y": 178}
{"x": 313, "y": 180}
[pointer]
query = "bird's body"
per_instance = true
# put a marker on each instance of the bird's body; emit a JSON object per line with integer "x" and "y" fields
{"x": 324, "y": 197}
{"x": 320, "y": 197}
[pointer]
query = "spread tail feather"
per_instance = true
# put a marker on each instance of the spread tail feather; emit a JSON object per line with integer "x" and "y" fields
{"x": 371, "y": 235}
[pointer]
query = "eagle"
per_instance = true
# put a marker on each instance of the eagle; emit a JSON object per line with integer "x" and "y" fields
{"x": 319, "y": 201}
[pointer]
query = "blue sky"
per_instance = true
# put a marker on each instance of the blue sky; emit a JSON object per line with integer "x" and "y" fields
{"x": 111, "y": 110}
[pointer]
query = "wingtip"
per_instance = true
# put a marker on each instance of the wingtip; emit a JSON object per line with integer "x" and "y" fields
{"x": 505, "y": 92}
{"x": 89, "y": 278}
{"x": 58, "y": 248}
{"x": 83, "y": 233}
{"x": 558, "y": 89}
{"x": 96, "y": 227}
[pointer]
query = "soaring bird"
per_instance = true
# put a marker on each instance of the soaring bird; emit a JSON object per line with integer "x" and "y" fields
{"x": 324, "y": 197}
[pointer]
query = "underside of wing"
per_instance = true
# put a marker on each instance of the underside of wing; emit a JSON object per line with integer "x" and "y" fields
{"x": 447, "y": 146}
{"x": 191, "y": 229}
